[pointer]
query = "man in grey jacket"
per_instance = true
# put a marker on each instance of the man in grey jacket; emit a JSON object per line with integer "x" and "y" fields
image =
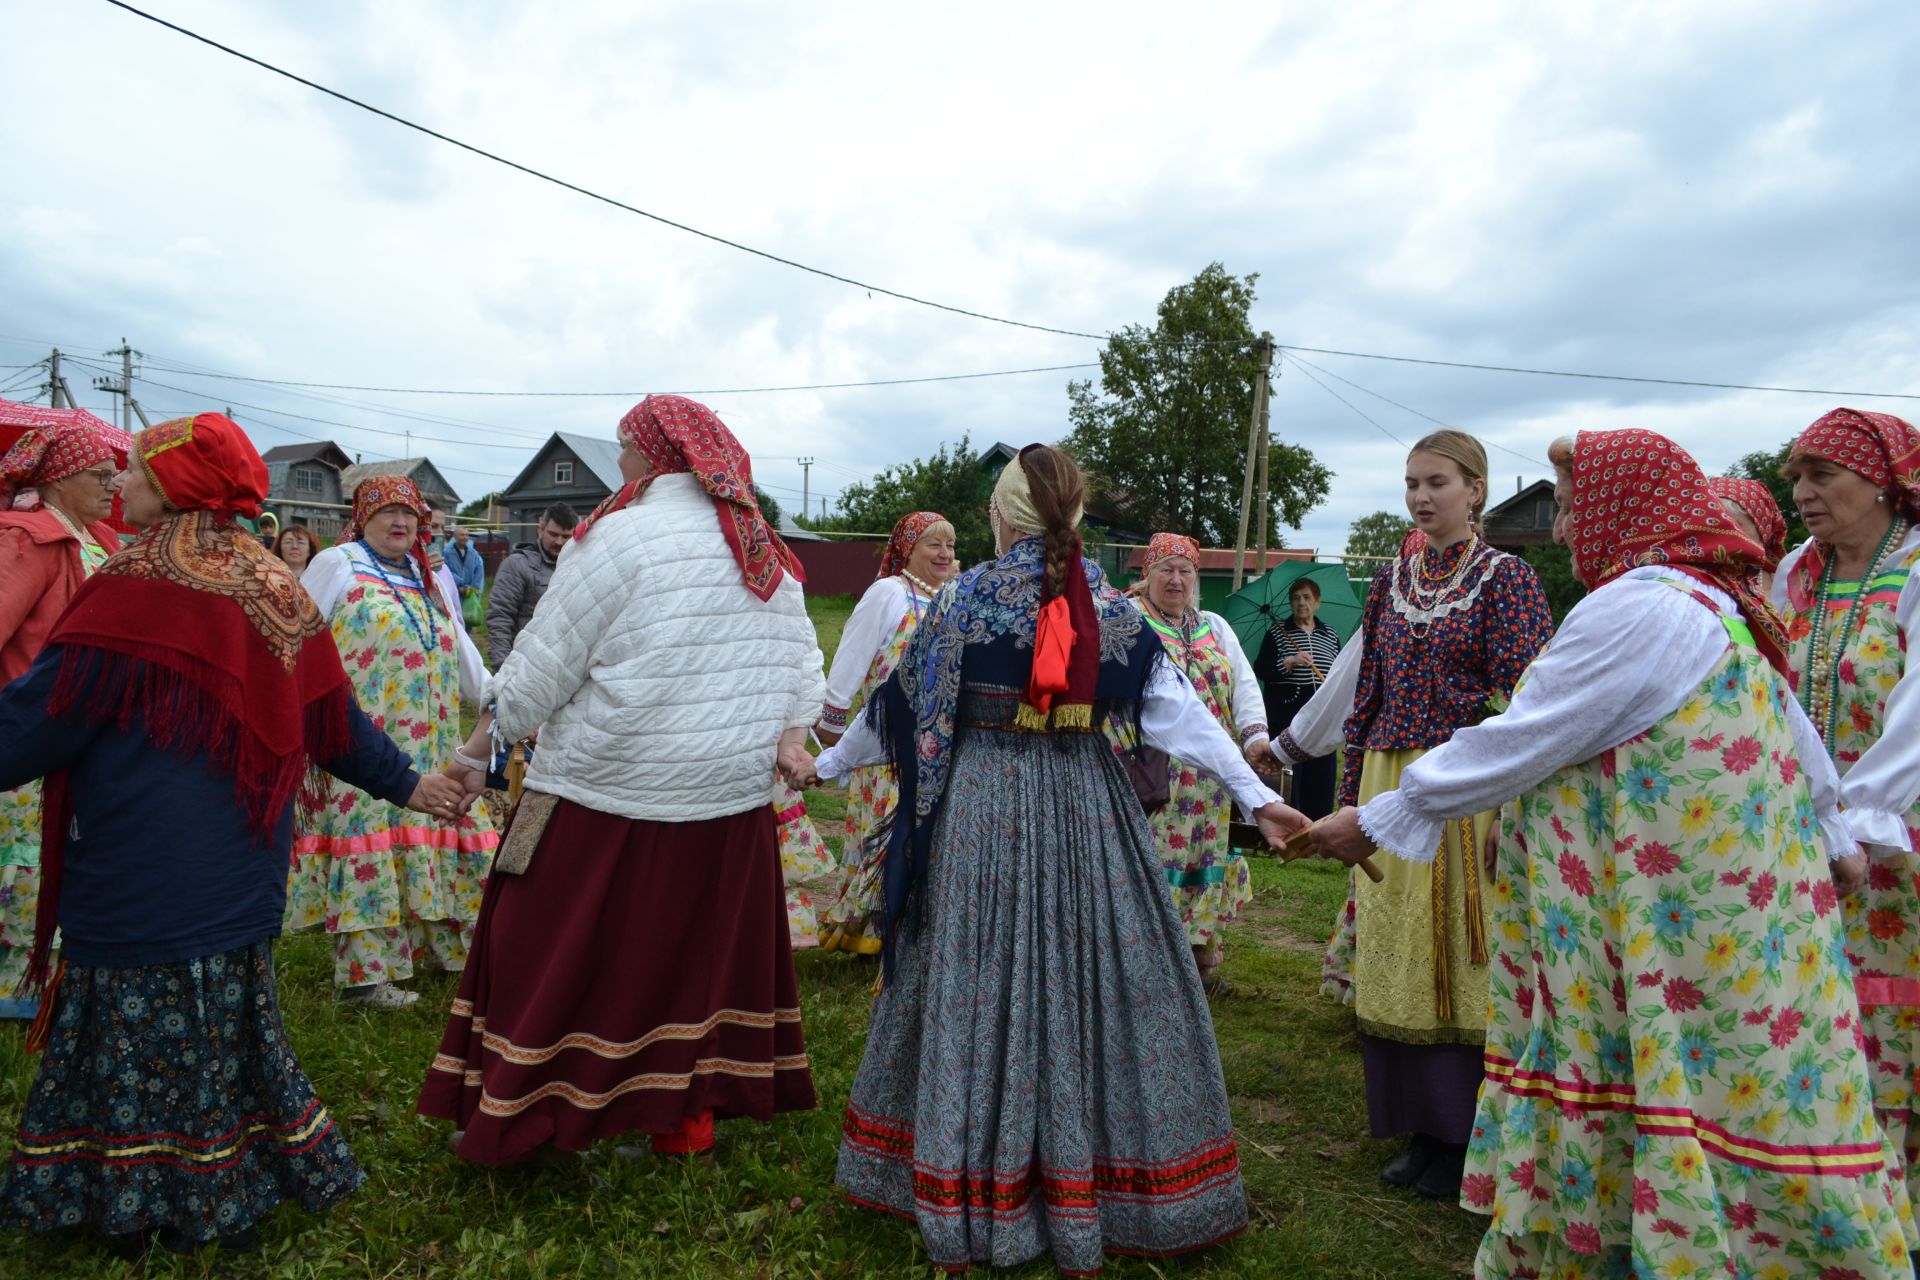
{"x": 522, "y": 579}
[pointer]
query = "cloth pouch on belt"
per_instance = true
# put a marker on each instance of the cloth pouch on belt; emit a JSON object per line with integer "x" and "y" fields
{"x": 524, "y": 829}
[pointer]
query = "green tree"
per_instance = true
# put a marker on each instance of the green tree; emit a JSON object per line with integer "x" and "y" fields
{"x": 1378, "y": 536}
{"x": 951, "y": 482}
{"x": 1554, "y": 564}
{"x": 1164, "y": 440}
{"x": 477, "y": 509}
{"x": 768, "y": 507}
{"x": 1765, "y": 467}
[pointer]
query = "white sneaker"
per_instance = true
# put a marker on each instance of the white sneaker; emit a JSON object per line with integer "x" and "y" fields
{"x": 380, "y": 995}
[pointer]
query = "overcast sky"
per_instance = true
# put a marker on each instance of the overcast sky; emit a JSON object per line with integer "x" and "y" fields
{"x": 1701, "y": 191}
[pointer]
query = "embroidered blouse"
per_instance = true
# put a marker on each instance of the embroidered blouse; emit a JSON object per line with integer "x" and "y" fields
{"x": 871, "y": 625}
{"x": 1627, "y": 657}
{"x": 1212, "y": 632}
{"x": 1410, "y": 680}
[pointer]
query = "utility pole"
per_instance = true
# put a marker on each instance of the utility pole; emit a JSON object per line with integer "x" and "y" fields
{"x": 1256, "y": 426}
{"x": 806, "y": 476}
{"x": 123, "y": 388}
{"x": 1264, "y": 397}
{"x": 53, "y": 379}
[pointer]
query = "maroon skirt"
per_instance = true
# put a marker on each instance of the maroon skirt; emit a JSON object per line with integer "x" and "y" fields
{"x": 638, "y": 973}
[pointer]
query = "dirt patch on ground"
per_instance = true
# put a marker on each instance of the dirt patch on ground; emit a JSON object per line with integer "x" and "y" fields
{"x": 1260, "y": 921}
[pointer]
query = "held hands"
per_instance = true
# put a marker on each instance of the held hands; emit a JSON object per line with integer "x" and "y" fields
{"x": 1277, "y": 822}
{"x": 1339, "y": 836}
{"x": 1260, "y": 754}
{"x": 796, "y": 766}
{"x": 441, "y": 797}
{"x": 1849, "y": 873}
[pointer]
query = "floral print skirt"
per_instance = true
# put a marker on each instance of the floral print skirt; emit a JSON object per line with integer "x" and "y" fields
{"x": 19, "y": 891}
{"x": 854, "y": 917}
{"x": 169, "y": 1096}
{"x": 1210, "y": 883}
{"x": 805, "y": 863}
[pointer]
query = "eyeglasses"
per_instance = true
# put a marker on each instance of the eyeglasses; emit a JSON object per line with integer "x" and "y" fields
{"x": 104, "y": 476}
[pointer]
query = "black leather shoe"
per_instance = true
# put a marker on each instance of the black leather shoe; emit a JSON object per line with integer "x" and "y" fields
{"x": 1441, "y": 1180}
{"x": 1405, "y": 1169}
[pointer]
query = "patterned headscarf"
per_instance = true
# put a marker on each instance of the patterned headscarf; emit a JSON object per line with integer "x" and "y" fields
{"x": 677, "y": 435}
{"x": 1165, "y": 546}
{"x": 376, "y": 493}
{"x": 43, "y": 455}
{"x": 1758, "y": 502}
{"x": 906, "y": 532}
{"x": 1878, "y": 446}
{"x": 1640, "y": 499}
{"x": 196, "y": 633}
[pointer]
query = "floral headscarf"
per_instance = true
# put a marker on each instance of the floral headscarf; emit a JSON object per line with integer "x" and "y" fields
{"x": 1758, "y": 502}
{"x": 376, "y": 493}
{"x": 906, "y": 532}
{"x": 43, "y": 455}
{"x": 1165, "y": 546}
{"x": 1640, "y": 499}
{"x": 677, "y": 435}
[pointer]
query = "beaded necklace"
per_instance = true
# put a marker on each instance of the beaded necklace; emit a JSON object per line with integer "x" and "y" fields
{"x": 917, "y": 589}
{"x": 1422, "y": 604}
{"x": 1824, "y": 652}
{"x": 429, "y": 638}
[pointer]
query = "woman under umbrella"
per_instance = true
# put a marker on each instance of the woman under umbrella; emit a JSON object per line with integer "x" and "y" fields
{"x": 179, "y": 707}
{"x": 919, "y": 560}
{"x": 1674, "y": 1079}
{"x": 392, "y": 890}
{"x": 1295, "y": 656}
{"x": 1040, "y": 1074}
{"x": 1851, "y": 597}
{"x": 56, "y": 492}
{"x": 632, "y": 971}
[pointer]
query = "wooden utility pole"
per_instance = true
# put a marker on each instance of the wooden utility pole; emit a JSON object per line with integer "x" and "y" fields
{"x": 1256, "y": 461}
{"x": 1264, "y": 397}
{"x": 53, "y": 380}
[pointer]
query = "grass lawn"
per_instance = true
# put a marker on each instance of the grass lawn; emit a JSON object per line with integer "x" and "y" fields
{"x": 766, "y": 1209}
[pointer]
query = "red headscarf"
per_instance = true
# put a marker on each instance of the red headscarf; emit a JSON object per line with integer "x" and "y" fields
{"x": 1758, "y": 502}
{"x": 196, "y": 631}
{"x": 676, "y": 435}
{"x": 375, "y": 494}
{"x": 1640, "y": 499}
{"x": 1878, "y": 447}
{"x": 906, "y": 532}
{"x": 43, "y": 455}
{"x": 1165, "y": 546}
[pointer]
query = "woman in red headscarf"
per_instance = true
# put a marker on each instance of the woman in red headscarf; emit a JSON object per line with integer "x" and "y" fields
{"x": 1756, "y": 514}
{"x": 1674, "y": 1084}
{"x": 631, "y": 968}
{"x": 1210, "y": 883}
{"x": 396, "y": 891}
{"x": 56, "y": 491}
{"x": 918, "y": 561}
{"x": 179, "y": 708}
{"x": 1851, "y": 598}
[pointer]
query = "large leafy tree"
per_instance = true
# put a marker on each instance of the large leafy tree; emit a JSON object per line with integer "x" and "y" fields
{"x": 1164, "y": 438}
{"x": 951, "y": 481}
{"x": 1375, "y": 538}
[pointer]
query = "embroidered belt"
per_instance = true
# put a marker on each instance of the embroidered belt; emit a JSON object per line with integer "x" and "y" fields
{"x": 1476, "y": 920}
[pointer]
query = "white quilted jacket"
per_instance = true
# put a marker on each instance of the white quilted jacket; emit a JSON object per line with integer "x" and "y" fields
{"x": 658, "y": 682}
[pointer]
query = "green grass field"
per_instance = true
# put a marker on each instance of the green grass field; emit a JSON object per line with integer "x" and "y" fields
{"x": 766, "y": 1208}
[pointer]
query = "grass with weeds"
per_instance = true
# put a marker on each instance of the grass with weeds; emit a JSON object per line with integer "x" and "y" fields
{"x": 766, "y": 1208}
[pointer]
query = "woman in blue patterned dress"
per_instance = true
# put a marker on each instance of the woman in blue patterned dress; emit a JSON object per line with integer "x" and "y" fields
{"x": 1040, "y": 1073}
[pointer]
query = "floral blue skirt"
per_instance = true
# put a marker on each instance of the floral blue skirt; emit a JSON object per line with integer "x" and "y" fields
{"x": 170, "y": 1097}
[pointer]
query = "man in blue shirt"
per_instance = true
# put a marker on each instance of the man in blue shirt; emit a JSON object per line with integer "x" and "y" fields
{"x": 463, "y": 558}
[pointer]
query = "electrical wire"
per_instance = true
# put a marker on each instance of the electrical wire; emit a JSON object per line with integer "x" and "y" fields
{"x": 626, "y": 395}
{"x": 1351, "y": 405}
{"x": 1608, "y": 377}
{"x": 1305, "y": 365}
{"x": 590, "y": 194}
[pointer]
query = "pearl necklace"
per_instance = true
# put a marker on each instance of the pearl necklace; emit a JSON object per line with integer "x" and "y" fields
{"x": 429, "y": 638}
{"x": 1825, "y": 651}
{"x": 1422, "y": 605}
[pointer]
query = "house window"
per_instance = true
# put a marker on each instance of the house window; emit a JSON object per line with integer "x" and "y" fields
{"x": 1543, "y": 514}
{"x": 306, "y": 480}
{"x": 563, "y": 473}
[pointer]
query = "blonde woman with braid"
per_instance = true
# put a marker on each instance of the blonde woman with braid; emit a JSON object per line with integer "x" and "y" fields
{"x": 1449, "y": 626}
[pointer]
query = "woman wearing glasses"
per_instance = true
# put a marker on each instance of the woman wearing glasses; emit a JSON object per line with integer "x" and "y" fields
{"x": 56, "y": 491}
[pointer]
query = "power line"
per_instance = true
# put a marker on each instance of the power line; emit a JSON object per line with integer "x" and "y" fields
{"x": 1350, "y": 404}
{"x": 707, "y": 391}
{"x": 1305, "y": 365}
{"x": 1610, "y": 377}
{"x": 593, "y": 195}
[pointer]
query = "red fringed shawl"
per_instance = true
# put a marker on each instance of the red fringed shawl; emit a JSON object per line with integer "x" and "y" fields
{"x": 1066, "y": 656}
{"x": 202, "y": 635}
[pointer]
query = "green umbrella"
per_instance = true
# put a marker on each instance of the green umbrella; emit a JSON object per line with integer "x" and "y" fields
{"x": 1253, "y": 609}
